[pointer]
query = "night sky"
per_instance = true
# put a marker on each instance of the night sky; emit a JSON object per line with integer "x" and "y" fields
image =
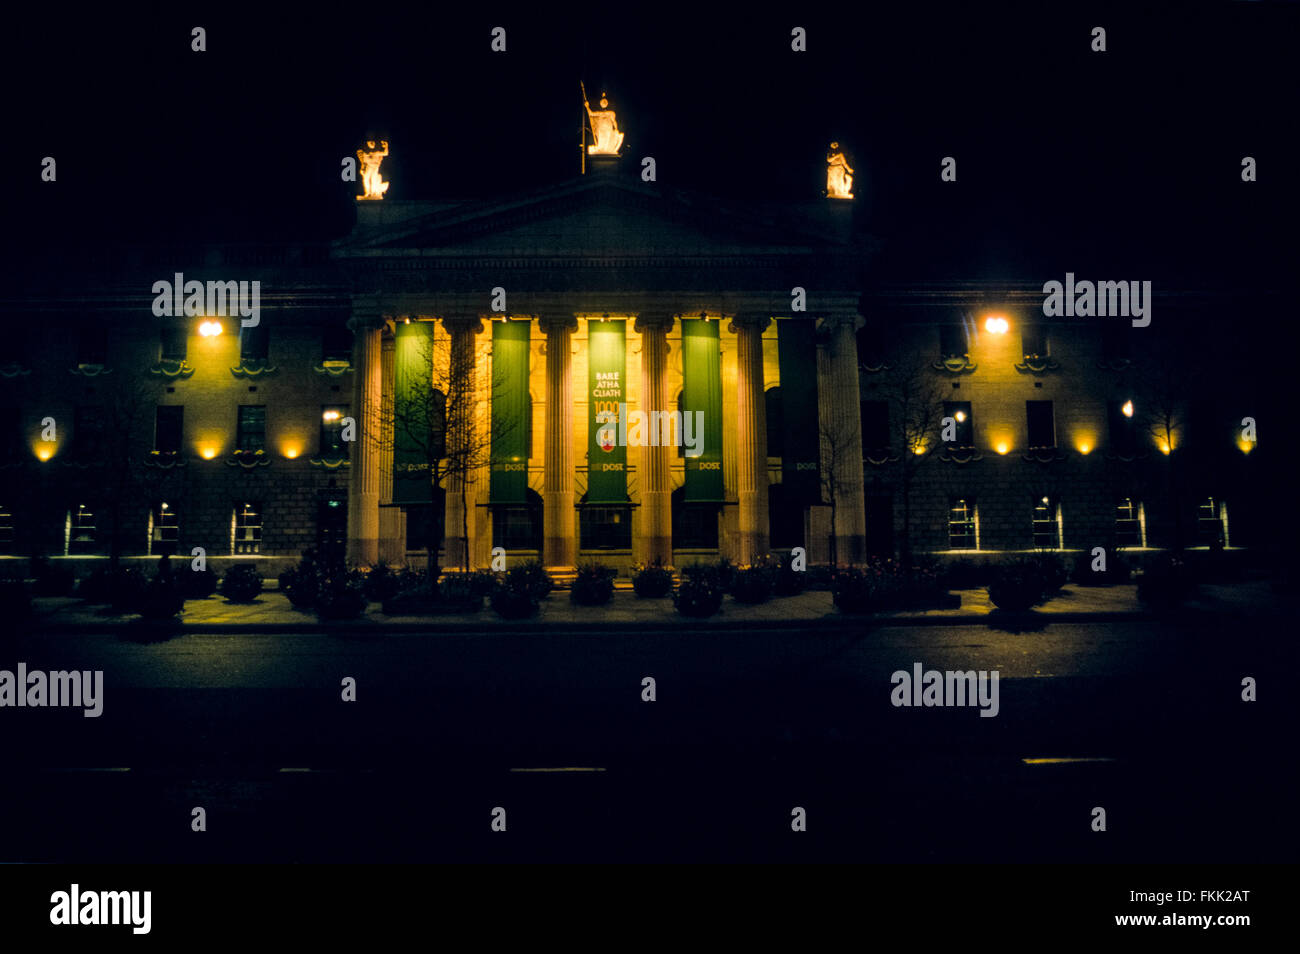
{"x": 1117, "y": 164}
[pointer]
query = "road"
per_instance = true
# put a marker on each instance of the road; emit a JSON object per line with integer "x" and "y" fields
{"x": 745, "y": 727}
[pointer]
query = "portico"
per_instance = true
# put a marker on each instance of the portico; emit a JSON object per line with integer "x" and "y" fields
{"x": 616, "y": 296}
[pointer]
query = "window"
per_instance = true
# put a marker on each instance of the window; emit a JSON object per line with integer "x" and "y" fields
{"x": 424, "y": 522}
{"x": 1042, "y": 424}
{"x": 92, "y": 344}
{"x": 11, "y": 432}
{"x": 605, "y": 528}
{"x": 1212, "y": 522}
{"x": 6, "y": 526}
{"x": 173, "y": 339}
{"x": 248, "y": 528}
{"x": 518, "y": 527}
{"x": 168, "y": 427}
{"x": 775, "y": 422}
{"x": 253, "y": 342}
{"x": 875, "y": 427}
{"x": 1033, "y": 339}
{"x": 82, "y": 533}
{"x": 1130, "y": 523}
{"x": 1047, "y": 524}
{"x": 251, "y": 433}
{"x": 695, "y": 525}
{"x": 336, "y": 345}
{"x": 1123, "y": 430}
{"x": 166, "y": 529}
{"x": 332, "y": 444}
{"x": 962, "y": 527}
{"x": 87, "y": 432}
{"x": 963, "y": 423}
{"x": 952, "y": 340}
{"x": 873, "y": 347}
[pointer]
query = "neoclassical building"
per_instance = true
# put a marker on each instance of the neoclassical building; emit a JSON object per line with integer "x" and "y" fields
{"x": 683, "y": 320}
{"x": 610, "y": 369}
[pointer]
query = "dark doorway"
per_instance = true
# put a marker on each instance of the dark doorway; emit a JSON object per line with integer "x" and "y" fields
{"x": 332, "y": 524}
{"x": 880, "y": 524}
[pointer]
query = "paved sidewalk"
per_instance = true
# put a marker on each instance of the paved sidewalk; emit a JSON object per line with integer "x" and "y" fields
{"x": 271, "y": 612}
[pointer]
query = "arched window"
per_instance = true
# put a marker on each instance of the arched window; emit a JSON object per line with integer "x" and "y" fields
{"x": 775, "y": 423}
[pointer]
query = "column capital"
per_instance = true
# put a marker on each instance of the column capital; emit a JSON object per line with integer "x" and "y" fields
{"x": 748, "y": 320}
{"x": 840, "y": 320}
{"x": 551, "y": 324}
{"x": 367, "y": 314}
{"x": 462, "y": 321}
{"x": 660, "y": 321}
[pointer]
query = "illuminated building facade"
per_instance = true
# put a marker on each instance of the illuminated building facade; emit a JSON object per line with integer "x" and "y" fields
{"x": 633, "y": 373}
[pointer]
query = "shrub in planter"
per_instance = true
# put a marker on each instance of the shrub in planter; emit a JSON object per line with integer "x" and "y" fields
{"x": 51, "y": 579}
{"x": 652, "y": 581}
{"x": 1165, "y": 581}
{"x": 242, "y": 583}
{"x": 163, "y": 598}
{"x": 128, "y": 588}
{"x": 753, "y": 584}
{"x": 529, "y": 576}
{"x": 819, "y": 578}
{"x": 852, "y": 591}
{"x": 15, "y": 600}
{"x": 302, "y": 583}
{"x": 461, "y": 591}
{"x": 789, "y": 582}
{"x": 1117, "y": 570}
{"x": 698, "y": 595}
{"x": 97, "y": 587}
{"x": 1051, "y": 571}
{"x": 593, "y": 586}
{"x": 512, "y": 603}
{"x": 382, "y": 582}
{"x": 342, "y": 596}
{"x": 197, "y": 584}
{"x": 1016, "y": 587}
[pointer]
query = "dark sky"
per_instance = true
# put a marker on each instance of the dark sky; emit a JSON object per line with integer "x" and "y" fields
{"x": 1124, "y": 164}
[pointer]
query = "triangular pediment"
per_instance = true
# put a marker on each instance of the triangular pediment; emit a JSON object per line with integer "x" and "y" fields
{"x": 603, "y": 216}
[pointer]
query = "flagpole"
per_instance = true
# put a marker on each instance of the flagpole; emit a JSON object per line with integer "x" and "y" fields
{"x": 582, "y": 149}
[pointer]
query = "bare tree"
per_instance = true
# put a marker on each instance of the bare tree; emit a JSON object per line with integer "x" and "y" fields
{"x": 835, "y": 444}
{"x": 437, "y": 424}
{"x": 915, "y": 393}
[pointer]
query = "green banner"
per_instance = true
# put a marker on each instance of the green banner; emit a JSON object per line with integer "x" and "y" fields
{"x": 508, "y": 477}
{"x": 414, "y": 412}
{"x": 606, "y": 392}
{"x": 796, "y": 350}
{"x": 702, "y": 409}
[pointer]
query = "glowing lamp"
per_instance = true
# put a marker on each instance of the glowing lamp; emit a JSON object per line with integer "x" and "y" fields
{"x": 1164, "y": 447}
{"x": 209, "y": 453}
{"x": 1002, "y": 447}
{"x": 996, "y": 325}
{"x": 291, "y": 452}
{"x": 1127, "y": 409}
{"x": 210, "y": 329}
{"x": 1246, "y": 446}
{"x": 961, "y": 416}
{"x": 44, "y": 453}
{"x": 331, "y": 415}
{"x": 1085, "y": 449}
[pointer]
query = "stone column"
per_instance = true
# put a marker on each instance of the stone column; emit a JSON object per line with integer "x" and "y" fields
{"x": 751, "y": 437}
{"x": 559, "y": 535}
{"x": 392, "y": 523}
{"x": 367, "y": 395}
{"x": 656, "y": 491}
{"x": 840, "y": 415}
{"x": 462, "y": 439}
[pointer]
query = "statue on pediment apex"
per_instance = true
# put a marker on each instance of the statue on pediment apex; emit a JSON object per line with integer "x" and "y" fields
{"x": 604, "y": 127}
{"x": 839, "y": 176}
{"x": 369, "y": 159}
